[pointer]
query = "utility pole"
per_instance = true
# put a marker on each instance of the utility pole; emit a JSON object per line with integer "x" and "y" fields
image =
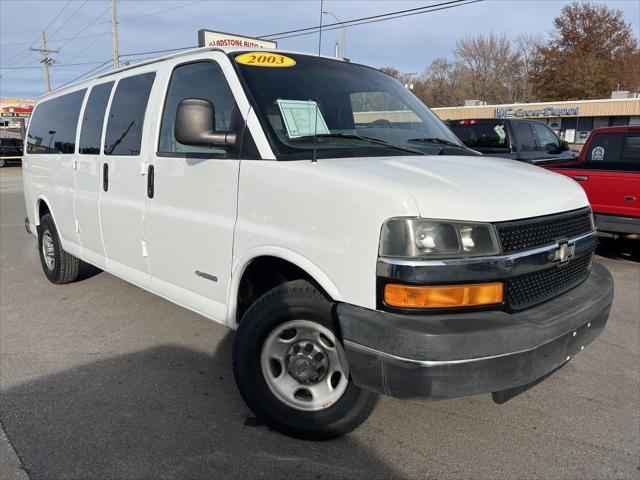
{"x": 46, "y": 61}
{"x": 408, "y": 80}
{"x": 114, "y": 34}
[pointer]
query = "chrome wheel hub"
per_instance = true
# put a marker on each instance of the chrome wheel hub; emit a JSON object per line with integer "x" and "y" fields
{"x": 304, "y": 365}
{"x": 48, "y": 250}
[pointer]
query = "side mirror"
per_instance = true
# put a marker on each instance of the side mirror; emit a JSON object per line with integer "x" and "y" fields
{"x": 564, "y": 146}
{"x": 195, "y": 125}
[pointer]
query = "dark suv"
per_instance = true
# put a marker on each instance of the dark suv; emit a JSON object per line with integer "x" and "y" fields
{"x": 10, "y": 151}
{"x": 525, "y": 140}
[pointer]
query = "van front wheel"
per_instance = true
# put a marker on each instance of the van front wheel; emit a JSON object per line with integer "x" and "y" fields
{"x": 291, "y": 369}
{"x": 58, "y": 265}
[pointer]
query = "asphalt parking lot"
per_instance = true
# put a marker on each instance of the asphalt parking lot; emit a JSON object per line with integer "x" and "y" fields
{"x": 100, "y": 379}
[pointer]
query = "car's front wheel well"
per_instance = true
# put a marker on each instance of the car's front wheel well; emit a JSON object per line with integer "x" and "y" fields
{"x": 263, "y": 274}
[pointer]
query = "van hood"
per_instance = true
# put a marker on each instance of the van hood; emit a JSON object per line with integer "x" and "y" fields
{"x": 483, "y": 189}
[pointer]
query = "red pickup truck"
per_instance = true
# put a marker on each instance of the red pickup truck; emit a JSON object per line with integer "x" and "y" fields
{"x": 608, "y": 169}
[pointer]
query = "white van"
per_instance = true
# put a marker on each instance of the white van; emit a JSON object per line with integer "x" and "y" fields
{"x": 319, "y": 208}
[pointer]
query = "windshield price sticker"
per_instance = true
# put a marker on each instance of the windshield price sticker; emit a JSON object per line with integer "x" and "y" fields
{"x": 265, "y": 59}
{"x": 298, "y": 117}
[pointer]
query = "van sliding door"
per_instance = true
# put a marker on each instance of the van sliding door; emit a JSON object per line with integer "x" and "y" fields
{"x": 88, "y": 174}
{"x": 124, "y": 183}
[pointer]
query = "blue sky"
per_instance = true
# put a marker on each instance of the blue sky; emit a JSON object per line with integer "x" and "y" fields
{"x": 83, "y": 32}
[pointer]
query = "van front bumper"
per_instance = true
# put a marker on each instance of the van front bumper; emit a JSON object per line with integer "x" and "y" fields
{"x": 453, "y": 355}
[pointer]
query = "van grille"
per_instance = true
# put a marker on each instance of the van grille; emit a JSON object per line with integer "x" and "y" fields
{"x": 528, "y": 290}
{"x": 539, "y": 231}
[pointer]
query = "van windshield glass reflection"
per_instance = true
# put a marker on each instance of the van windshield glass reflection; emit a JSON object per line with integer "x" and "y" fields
{"x": 342, "y": 110}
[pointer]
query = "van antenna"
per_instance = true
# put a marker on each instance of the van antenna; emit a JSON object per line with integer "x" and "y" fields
{"x": 314, "y": 159}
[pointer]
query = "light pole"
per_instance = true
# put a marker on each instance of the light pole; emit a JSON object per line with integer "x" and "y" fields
{"x": 341, "y": 27}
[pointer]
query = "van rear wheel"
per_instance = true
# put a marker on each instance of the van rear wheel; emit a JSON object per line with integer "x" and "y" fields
{"x": 58, "y": 265}
{"x": 291, "y": 369}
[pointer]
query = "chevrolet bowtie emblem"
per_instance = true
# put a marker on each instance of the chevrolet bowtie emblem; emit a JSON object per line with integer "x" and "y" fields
{"x": 564, "y": 252}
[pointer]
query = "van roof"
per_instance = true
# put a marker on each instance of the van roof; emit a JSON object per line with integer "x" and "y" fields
{"x": 181, "y": 53}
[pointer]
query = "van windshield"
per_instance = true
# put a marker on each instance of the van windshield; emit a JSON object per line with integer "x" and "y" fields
{"x": 340, "y": 109}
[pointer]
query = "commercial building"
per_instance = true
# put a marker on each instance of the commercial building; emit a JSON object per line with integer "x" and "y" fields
{"x": 572, "y": 120}
{"x": 14, "y": 115}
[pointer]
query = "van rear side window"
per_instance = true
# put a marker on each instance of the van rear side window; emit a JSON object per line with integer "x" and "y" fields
{"x": 93, "y": 120}
{"x": 126, "y": 117}
{"x": 54, "y": 124}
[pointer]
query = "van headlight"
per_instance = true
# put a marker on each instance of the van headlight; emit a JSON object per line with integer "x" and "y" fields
{"x": 428, "y": 238}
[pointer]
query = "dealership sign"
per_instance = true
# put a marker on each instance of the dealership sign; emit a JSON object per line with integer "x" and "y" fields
{"x": 521, "y": 112}
{"x": 16, "y": 107}
{"x": 209, "y": 38}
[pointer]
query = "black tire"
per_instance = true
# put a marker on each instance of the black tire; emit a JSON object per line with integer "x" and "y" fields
{"x": 65, "y": 266}
{"x": 293, "y": 300}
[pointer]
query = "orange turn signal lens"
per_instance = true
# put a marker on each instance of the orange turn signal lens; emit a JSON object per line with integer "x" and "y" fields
{"x": 443, "y": 296}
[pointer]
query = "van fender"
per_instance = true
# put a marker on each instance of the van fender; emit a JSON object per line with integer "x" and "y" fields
{"x": 240, "y": 265}
{"x": 36, "y": 209}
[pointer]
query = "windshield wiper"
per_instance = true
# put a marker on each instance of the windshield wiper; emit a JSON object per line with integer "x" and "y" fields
{"x": 440, "y": 141}
{"x": 353, "y": 136}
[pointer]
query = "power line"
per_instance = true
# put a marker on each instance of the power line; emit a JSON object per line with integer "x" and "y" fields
{"x": 69, "y": 19}
{"x": 93, "y": 70}
{"x": 345, "y": 23}
{"x": 56, "y": 17}
{"x": 91, "y": 44}
{"x": 32, "y": 31}
{"x": 128, "y": 19}
{"x": 157, "y": 51}
{"x": 15, "y": 44}
{"x": 390, "y": 16}
{"x": 281, "y": 35}
{"x": 337, "y": 25}
{"x": 87, "y": 26}
{"x": 56, "y": 65}
{"x": 18, "y": 56}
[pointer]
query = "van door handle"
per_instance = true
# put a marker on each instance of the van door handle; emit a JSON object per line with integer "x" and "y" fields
{"x": 581, "y": 178}
{"x": 630, "y": 198}
{"x": 150, "y": 185}
{"x": 105, "y": 176}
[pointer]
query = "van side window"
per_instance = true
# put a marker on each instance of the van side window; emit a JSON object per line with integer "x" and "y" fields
{"x": 126, "y": 117}
{"x": 91, "y": 130}
{"x": 54, "y": 124}
{"x": 197, "y": 80}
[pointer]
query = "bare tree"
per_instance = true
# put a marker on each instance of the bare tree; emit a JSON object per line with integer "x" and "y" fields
{"x": 527, "y": 47}
{"x": 390, "y": 71}
{"x": 440, "y": 84}
{"x": 488, "y": 62}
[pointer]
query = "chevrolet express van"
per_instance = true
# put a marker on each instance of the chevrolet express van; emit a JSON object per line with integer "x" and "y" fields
{"x": 356, "y": 251}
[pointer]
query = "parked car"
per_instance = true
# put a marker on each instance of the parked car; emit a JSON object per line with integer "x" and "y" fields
{"x": 609, "y": 171}
{"x": 526, "y": 140}
{"x": 354, "y": 258}
{"x": 12, "y": 148}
